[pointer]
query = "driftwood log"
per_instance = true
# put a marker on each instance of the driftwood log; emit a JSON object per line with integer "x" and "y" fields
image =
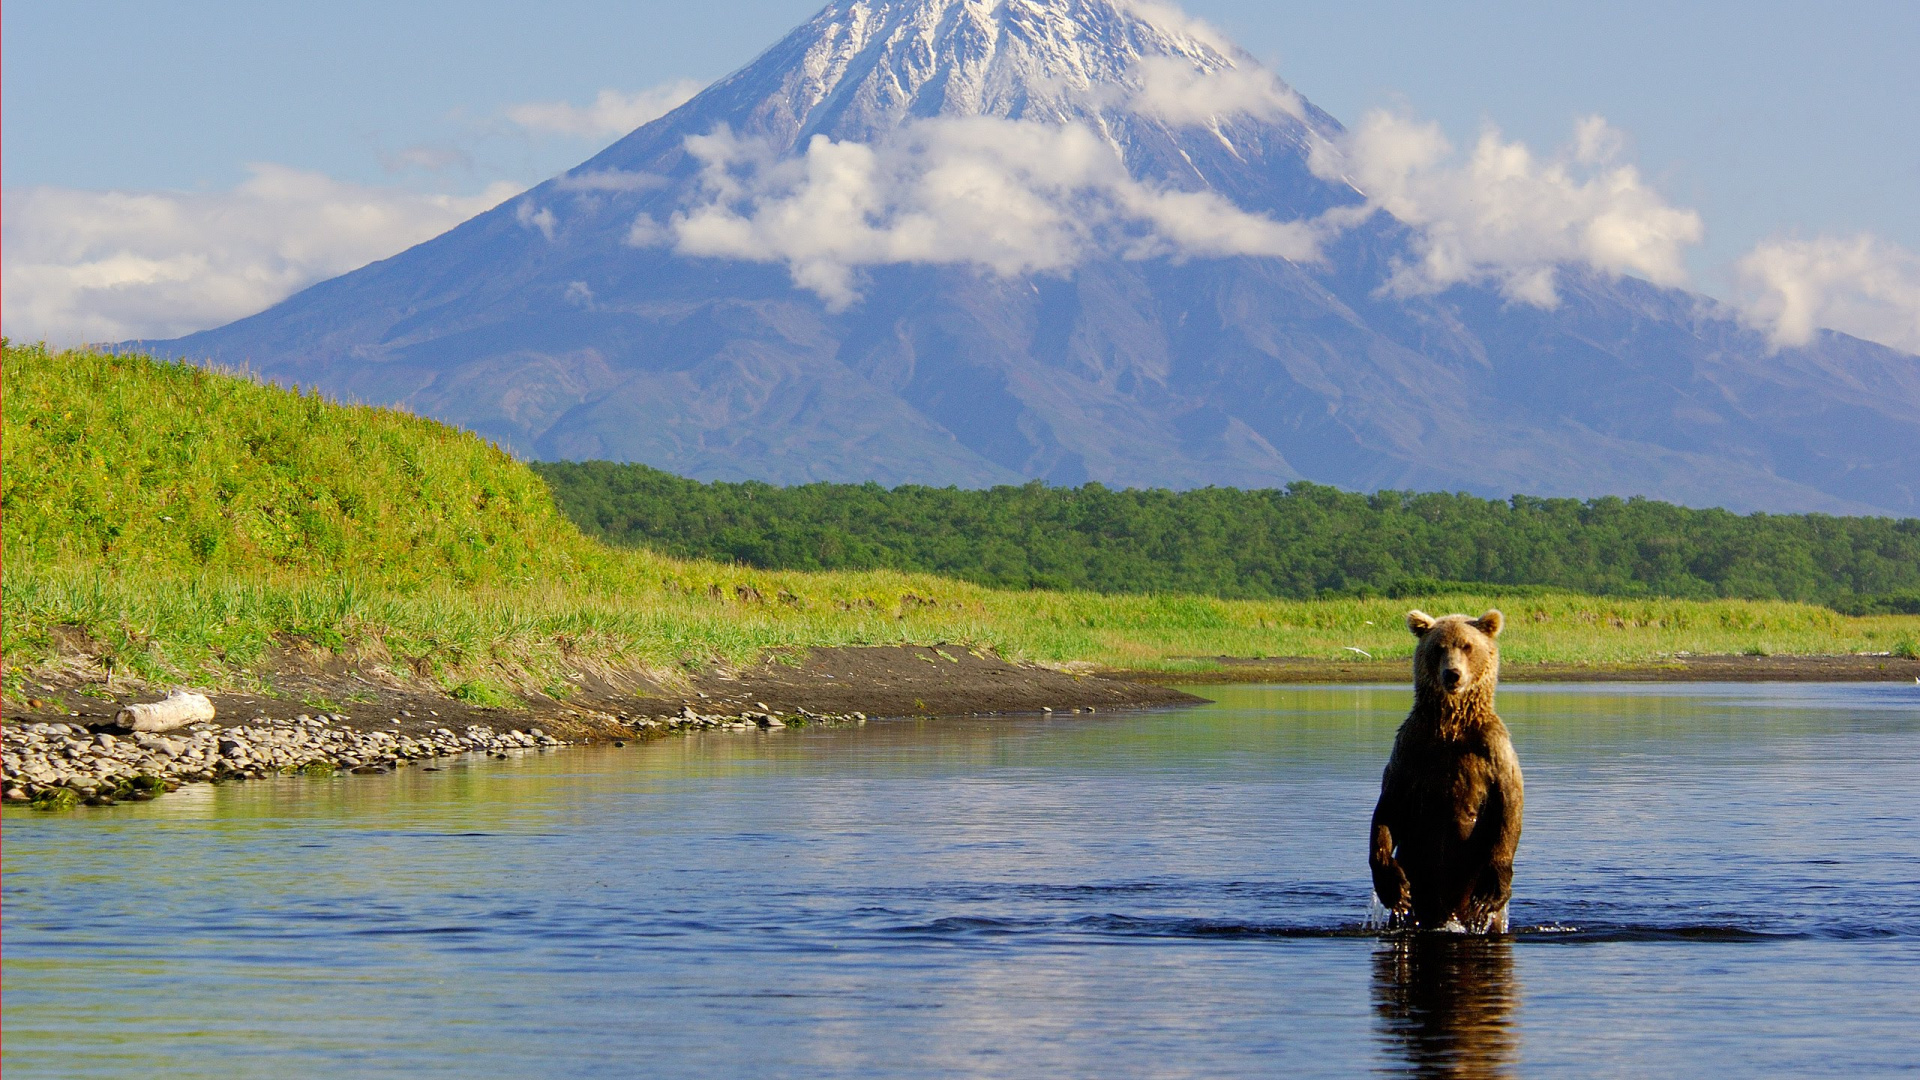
{"x": 178, "y": 710}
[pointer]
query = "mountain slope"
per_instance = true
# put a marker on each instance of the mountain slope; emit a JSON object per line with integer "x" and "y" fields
{"x": 969, "y": 242}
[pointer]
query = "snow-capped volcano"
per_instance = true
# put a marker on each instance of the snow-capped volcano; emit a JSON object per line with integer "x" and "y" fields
{"x": 1017, "y": 136}
{"x": 978, "y": 241}
{"x": 859, "y": 68}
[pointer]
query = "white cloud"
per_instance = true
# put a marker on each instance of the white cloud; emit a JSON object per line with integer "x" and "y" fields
{"x": 1177, "y": 91}
{"x": 1861, "y": 285}
{"x": 1507, "y": 217}
{"x": 426, "y": 157}
{"x": 538, "y": 218}
{"x": 1012, "y": 197}
{"x": 1596, "y": 142}
{"x": 608, "y": 180}
{"x": 1172, "y": 17}
{"x": 108, "y": 265}
{"x": 611, "y": 115}
{"x": 646, "y": 232}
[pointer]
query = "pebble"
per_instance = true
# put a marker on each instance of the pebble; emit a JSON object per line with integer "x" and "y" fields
{"x": 54, "y": 763}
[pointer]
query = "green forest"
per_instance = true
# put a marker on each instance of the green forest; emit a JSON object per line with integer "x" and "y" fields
{"x": 1302, "y": 541}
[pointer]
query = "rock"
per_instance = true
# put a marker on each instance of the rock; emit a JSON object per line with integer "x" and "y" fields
{"x": 177, "y": 710}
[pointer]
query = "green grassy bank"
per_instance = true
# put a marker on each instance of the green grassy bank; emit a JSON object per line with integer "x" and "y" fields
{"x": 179, "y": 525}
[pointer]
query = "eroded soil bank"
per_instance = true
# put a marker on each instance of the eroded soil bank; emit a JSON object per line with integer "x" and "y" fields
{"x": 943, "y": 680}
{"x": 66, "y": 747}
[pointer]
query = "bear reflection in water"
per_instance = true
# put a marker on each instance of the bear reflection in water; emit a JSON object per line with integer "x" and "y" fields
{"x": 1445, "y": 1005}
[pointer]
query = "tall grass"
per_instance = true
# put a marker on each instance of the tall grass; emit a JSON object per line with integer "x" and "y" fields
{"x": 183, "y": 525}
{"x": 133, "y": 464}
{"x": 217, "y": 628}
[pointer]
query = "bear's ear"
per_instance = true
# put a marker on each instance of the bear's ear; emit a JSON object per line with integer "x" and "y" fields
{"x": 1419, "y": 622}
{"x": 1490, "y": 623}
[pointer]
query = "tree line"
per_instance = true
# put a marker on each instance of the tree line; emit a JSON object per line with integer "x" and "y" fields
{"x": 1300, "y": 541}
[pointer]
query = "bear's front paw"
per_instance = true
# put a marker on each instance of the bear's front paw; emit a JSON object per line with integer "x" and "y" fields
{"x": 1390, "y": 888}
{"x": 1389, "y": 917}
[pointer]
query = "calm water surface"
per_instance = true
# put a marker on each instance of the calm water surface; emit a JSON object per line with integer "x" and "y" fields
{"x": 1716, "y": 880}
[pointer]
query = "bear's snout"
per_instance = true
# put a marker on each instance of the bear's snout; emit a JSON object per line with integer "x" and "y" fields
{"x": 1452, "y": 670}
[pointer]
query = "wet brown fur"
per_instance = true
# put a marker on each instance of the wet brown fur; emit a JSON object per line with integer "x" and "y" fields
{"x": 1448, "y": 820}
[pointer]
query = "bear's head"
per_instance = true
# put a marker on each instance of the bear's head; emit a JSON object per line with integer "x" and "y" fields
{"x": 1457, "y": 655}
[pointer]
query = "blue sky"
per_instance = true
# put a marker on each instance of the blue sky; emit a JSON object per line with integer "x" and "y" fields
{"x": 1771, "y": 119}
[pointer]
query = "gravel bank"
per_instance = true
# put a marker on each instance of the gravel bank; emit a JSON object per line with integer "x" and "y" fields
{"x": 63, "y": 745}
{"x": 56, "y": 765}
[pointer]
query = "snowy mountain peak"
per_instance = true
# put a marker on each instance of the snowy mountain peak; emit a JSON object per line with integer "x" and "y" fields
{"x": 863, "y": 67}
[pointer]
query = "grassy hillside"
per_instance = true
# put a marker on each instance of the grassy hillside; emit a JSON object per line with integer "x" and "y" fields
{"x": 184, "y": 525}
{"x": 148, "y": 467}
{"x": 1304, "y": 541}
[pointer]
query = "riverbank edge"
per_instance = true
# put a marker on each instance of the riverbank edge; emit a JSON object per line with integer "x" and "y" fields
{"x": 67, "y": 748}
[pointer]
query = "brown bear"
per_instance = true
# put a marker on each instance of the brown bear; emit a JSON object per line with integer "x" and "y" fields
{"x": 1448, "y": 820}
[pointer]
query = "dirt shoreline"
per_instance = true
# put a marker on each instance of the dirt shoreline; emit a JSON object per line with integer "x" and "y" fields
{"x": 1295, "y": 669}
{"x": 878, "y": 681}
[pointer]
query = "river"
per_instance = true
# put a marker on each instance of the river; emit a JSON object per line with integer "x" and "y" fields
{"x": 1714, "y": 879}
